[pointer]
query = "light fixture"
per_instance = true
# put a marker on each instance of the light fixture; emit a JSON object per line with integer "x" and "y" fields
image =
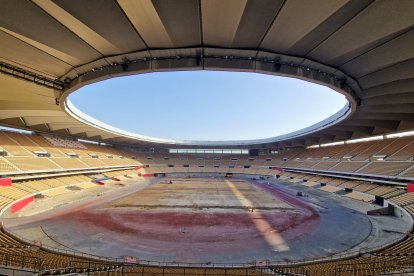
{"x": 367, "y": 139}
{"x": 400, "y": 134}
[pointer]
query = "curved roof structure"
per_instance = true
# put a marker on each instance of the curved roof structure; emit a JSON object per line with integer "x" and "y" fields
{"x": 363, "y": 49}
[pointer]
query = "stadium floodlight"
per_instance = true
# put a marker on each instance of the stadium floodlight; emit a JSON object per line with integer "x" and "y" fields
{"x": 332, "y": 144}
{"x": 400, "y": 134}
{"x": 18, "y": 130}
{"x": 312, "y": 147}
{"x": 367, "y": 139}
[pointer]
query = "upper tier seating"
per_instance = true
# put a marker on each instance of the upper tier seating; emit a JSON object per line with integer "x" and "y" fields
{"x": 33, "y": 153}
{"x": 63, "y": 142}
{"x": 393, "y": 157}
{"x": 33, "y": 163}
{"x": 11, "y": 146}
{"x": 348, "y": 166}
{"x": 385, "y": 168}
{"x": 406, "y": 152}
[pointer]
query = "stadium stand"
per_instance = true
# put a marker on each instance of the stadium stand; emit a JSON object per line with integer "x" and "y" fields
{"x": 33, "y": 163}
{"x": 392, "y": 258}
{"x": 348, "y": 166}
{"x": 359, "y": 196}
{"x": 329, "y": 189}
{"x": 388, "y": 168}
{"x": 20, "y": 156}
{"x": 404, "y": 199}
{"x": 362, "y": 49}
{"x": 12, "y": 147}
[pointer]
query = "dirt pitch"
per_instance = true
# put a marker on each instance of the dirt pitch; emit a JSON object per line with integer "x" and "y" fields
{"x": 190, "y": 220}
{"x": 203, "y": 220}
{"x": 202, "y": 193}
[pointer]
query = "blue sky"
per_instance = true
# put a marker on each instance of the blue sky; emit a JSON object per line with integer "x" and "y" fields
{"x": 208, "y": 105}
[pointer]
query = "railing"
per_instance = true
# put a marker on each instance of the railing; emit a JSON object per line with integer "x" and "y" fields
{"x": 337, "y": 257}
{"x": 20, "y": 261}
{"x": 386, "y": 179}
{"x": 36, "y": 174}
{"x": 375, "y": 267}
{"x": 189, "y": 272}
{"x": 12, "y": 271}
{"x": 63, "y": 251}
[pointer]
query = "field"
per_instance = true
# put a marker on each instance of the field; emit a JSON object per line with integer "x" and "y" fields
{"x": 201, "y": 220}
{"x": 202, "y": 193}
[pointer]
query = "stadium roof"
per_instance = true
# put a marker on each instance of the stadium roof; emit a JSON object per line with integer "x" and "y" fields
{"x": 363, "y": 49}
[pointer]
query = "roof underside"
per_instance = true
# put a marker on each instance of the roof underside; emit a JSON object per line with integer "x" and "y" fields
{"x": 57, "y": 46}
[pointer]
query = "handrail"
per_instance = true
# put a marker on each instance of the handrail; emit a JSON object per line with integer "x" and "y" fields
{"x": 11, "y": 260}
{"x": 58, "y": 250}
{"x": 374, "y": 266}
{"x": 342, "y": 256}
{"x": 355, "y": 176}
{"x": 61, "y": 172}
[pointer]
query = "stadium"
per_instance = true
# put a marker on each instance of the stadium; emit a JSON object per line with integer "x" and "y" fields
{"x": 79, "y": 196}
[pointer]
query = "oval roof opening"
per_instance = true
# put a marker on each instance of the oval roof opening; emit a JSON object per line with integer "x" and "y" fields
{"x": 208, "y": 105}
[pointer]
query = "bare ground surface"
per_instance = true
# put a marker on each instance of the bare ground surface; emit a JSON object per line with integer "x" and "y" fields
{"x": 141, "y": 220}
{"x": 202, "y": 193}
